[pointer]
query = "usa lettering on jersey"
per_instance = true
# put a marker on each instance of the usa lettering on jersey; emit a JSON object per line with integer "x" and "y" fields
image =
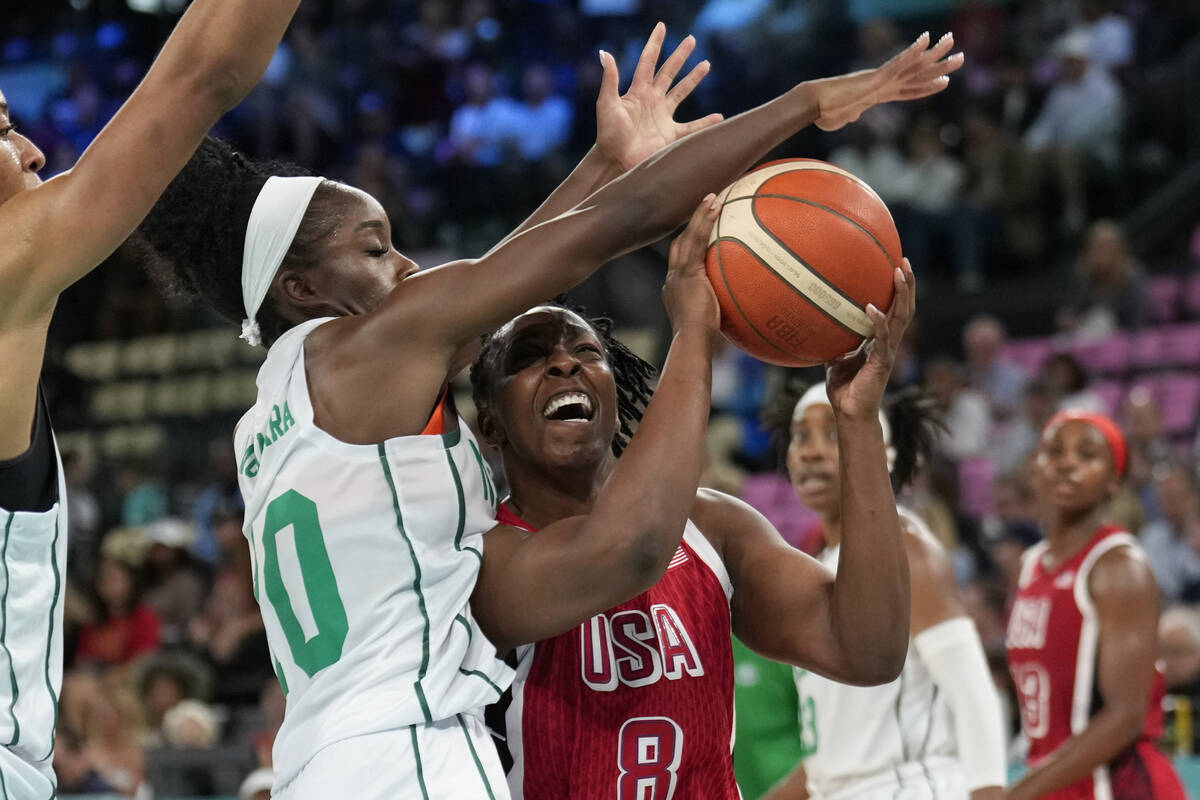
{"x": 633, "y": 648}
{"x": 1028, "y": 623}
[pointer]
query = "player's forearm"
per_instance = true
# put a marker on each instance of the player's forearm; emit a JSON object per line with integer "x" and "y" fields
{"x": 654, "y": 485}
{"x": 593, "y": 171}
{"x": 1107, "y": 734}
{"x": 223, "y": 47}
{"x": 650, "y": 200}
{"x": 871, "y": 596}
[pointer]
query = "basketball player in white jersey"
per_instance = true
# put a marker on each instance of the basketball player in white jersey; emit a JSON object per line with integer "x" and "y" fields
{"x": 936, "y": 731}
{"x": 366, "y": 498}
{"x": 51, "y": 235}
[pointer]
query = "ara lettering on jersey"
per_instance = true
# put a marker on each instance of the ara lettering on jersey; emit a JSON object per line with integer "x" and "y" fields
{"x": 634, "y": 648}
{"x": 635, "y": 703}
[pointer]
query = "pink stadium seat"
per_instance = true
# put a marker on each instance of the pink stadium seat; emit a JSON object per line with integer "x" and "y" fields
{"x": 1112, "y": 393}
{"x": 1178, "y": 395}
{"x": 1149, "y": 349}
{"x": 1028, "y": 353}
{"x": 1164, "y": 292}
{"x": 1109, "y": 355}
{"x": 975, "y": 477}
{"x": 1183, "y": 344}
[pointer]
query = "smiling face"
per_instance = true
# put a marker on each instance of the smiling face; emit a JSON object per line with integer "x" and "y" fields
{"x": 1073, "y": 470}
{"x": 20, "y": 159}
{"x": 552, "y": 397}
{"x": 813, "y": 460}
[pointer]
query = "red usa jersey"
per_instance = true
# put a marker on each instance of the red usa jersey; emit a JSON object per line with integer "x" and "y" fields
{"x": 1052, "y": 641}
{"x": 634, "y": 704}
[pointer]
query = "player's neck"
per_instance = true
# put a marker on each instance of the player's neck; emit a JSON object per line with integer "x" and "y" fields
{"x": 1066, "y": 536}
{"x": 541, "y": 498}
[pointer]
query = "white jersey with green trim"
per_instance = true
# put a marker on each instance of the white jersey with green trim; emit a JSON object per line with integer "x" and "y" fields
{"x": 364, "y": 560}
{"x": 852, "y": 736}
{"x": 33, "y": 557}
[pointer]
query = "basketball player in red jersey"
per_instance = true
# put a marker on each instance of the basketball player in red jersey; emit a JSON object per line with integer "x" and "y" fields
{"x": 1082, "y": 637}
{"x": 637, "y": 699}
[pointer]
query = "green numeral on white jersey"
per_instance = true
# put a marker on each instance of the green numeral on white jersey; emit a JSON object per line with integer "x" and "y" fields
{"x": 316, "y": 652}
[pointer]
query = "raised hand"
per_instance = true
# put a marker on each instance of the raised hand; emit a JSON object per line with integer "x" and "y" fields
{"x": 918, "y": 71}
{"x": 631, "y": 127}
{"x": 856, "y": 383}
{"x": 687, "y": 293}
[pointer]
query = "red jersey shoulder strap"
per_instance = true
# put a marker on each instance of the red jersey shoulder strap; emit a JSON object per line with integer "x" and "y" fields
{"x": 506, "y": 516}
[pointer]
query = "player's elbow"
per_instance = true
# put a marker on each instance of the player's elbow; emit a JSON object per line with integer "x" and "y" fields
{"x": 644, "y": 555}
{"x": 877, "y": 664}
{"x": 218, "y": 82}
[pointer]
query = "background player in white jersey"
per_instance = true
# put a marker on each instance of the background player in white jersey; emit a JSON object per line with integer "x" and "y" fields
{"x": 553, "y": 392}
{"x": 51, "y": 235}
{"x": 936, "y": 731}
{"x": 365, "y": 533}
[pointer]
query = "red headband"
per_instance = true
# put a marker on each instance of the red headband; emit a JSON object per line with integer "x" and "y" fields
{"x": 1108, "y": 429}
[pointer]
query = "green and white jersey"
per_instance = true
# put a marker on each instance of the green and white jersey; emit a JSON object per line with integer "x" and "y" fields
{"x": 364, "y": 558}
{"x": 33, "y": 556}
{"x": 852, "y": 734}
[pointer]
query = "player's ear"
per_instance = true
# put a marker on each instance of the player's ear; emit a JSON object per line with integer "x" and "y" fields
{"x": 489, "y": 428}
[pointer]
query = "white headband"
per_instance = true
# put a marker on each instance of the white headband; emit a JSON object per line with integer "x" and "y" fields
{"x": 274, "y": 221}
{"x": 817, "y": 394}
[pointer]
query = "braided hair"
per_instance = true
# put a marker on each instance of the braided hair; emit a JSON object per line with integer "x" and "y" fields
{"x": 915, "y": 418}
{"x": 192, "y": 239}
{"x": 632, "y": 375}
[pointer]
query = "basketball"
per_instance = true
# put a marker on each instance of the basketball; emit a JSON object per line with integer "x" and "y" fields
{"x": 800, "y": 248}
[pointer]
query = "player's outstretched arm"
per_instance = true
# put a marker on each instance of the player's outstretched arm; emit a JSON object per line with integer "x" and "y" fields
{"x": 1125, "y": 594}
{"x": 853, "y": 628}
{"x": 640, "y": 207}
{"x": 52, "y": 235}
{"x": 630, "y": 127}
{"x": 532, "y": 587}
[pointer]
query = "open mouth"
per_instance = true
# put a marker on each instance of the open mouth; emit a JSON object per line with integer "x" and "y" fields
{"x": 569, "y": 407}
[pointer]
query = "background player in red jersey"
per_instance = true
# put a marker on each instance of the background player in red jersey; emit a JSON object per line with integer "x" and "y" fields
{"x": 1082, "y": 635}
{"x": 638, "y": 699}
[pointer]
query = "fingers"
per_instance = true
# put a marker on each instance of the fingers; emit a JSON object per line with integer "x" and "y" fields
{"x": 610, "y": 80}
{"x": 880, "y": 332}
{"x": 650, "y": 53}
{"x": 674, "y": 63}
{"x": 689, "y": 247}
{"x": 688, "y": 128}
{"x": 681, "y": 90}
{"x": 904, "y": 305}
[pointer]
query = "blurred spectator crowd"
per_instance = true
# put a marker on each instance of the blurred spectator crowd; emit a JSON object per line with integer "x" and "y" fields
{"x": 460, "y": 116}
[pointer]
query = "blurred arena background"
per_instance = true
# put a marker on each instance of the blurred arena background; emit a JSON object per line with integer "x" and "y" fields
{"x": 1049, "y": 202}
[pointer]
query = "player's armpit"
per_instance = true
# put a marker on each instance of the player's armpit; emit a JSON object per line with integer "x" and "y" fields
{"x": 934, "y": 587}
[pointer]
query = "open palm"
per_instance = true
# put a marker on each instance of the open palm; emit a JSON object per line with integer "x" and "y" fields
{"x": 918, "y": 71}
{"x": 633, "y": 126}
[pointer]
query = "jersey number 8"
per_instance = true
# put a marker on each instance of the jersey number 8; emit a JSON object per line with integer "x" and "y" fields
{"x": 649, "y": 750}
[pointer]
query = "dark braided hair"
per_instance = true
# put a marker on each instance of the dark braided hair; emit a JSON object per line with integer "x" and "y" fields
{"x": 192, "y": 239}
{"x": 632, "y": 375}
{"x": 915, "y": 417}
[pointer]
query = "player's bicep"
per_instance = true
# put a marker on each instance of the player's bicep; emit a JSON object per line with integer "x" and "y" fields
{"x": 54, "y": 234}
{"x": 1126, "y": 599}
{"x": 781, "y": 596}
{"x": 534, "y": 586}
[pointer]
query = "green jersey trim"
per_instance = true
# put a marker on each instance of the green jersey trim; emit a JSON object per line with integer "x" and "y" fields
{"x": 417, "y": 577}
{"x": 412, "y": 730}
{"x": 478, "y": 764}
{"x": 12, "y": 673}
{"x": 462, "y": 507}
{"x": 50, "y": 632}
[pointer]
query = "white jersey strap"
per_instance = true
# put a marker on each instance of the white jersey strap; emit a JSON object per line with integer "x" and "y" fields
{"x": 708, "y": 554}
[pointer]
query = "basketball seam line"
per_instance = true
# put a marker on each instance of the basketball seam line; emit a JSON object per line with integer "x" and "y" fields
{"x": 733, "y": 296}
{"x": 786, "y": 283}
{"x": 852, "y": 221}
{"x": 826, "y": 281}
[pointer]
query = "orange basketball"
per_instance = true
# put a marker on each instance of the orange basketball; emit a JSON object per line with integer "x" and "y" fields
{"x": 799, "y": 249}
